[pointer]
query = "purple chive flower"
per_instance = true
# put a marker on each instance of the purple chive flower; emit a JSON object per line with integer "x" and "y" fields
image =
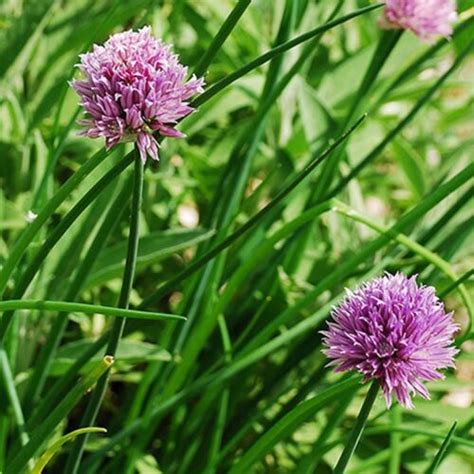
{"x": 394, "y": 331}
{"x": 134, "y": 86}
{"x": 426, "y": 18}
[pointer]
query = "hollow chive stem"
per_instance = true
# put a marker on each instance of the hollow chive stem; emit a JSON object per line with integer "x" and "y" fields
{"x": 118, "y": 326}
{"x": 358, "y": 429}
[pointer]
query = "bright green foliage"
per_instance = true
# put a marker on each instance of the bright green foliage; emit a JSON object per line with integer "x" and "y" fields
{"x": 250, "y": 228}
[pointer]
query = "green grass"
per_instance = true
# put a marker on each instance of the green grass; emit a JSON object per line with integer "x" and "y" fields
{"x": 323, "y": 152}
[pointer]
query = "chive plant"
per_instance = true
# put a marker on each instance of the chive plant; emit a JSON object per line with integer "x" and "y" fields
{"x": 182, "y": 212}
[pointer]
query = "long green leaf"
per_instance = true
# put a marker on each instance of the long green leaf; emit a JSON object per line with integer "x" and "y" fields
{"x": 42, "y": 433}
{"x": 66, "y": 307}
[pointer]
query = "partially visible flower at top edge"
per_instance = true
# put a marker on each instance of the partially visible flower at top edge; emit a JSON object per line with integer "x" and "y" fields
{"x": 393, "y": 331}
{"x": 428, "y": 19}
{"x": 134, "y": 86}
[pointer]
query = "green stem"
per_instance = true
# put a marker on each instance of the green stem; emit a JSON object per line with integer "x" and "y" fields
{"x": 358, "y": 428}
{"x": 95, "y": 401}
{"x": 395, "y": 439}
{"x": 13, "y": 396}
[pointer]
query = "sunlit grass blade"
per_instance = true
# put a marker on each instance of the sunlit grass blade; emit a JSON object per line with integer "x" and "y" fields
{"x": 52, "y": 451}
{"x": 226, "y": 81}
{"x": 42, "y": 433}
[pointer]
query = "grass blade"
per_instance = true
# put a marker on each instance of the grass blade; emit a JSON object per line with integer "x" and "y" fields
{"x": 28, "y": 275}
{"x": 55, "y": 447}
{"x": 442, "y": 450}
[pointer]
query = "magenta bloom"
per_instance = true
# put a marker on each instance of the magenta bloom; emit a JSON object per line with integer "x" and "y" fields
{"x": 426, "y": 18}
{"x": 134, "y": 86}
{"x": 394, "y": 331}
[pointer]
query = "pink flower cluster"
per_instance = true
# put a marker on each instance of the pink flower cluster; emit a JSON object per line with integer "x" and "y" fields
{"x": 393, "y": 331}
{"x": 426, "y": 18}
{"x": 134, "y": 87}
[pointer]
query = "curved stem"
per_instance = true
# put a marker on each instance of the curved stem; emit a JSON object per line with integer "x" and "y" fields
{"x": 358, "y": 428}
{"x": 95, "y": 401}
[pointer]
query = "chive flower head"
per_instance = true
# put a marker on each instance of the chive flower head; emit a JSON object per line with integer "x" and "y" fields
{"x": 395, "y": 331}
{"x": 134, "y": 88}
{"x": 428, "y": 19}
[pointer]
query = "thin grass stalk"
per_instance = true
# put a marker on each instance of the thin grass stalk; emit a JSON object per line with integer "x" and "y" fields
{"x": 93, "y": 407}
{"x": 358, "y": 428}
{"x": 399, "y": 127}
